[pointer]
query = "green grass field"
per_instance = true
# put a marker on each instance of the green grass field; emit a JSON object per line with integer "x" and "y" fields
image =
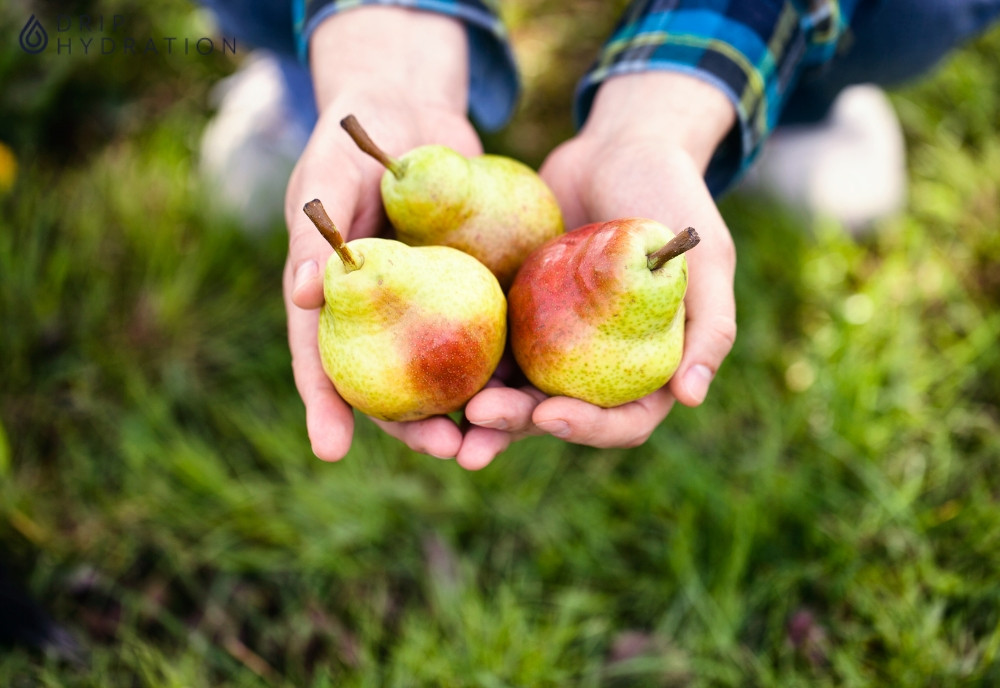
{"x": 829, "y": 517}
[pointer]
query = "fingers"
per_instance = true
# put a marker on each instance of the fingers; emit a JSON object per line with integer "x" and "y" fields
{"x": 505, "y": 408}
{"x": 480, "y": 446}
{"x": 329, "y": 421}
{"x": 628, "y": 425}
{"x": 498, "y": 416}
{"x": 437, "y": 436}
{"x": 306, "y": 290}
{"x": 340, "y": 195}
{"x": 710, "y": 330}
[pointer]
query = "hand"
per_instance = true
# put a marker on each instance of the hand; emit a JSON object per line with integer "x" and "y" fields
{"x": 643, "y": 152}
{"x": 404, "y": 74}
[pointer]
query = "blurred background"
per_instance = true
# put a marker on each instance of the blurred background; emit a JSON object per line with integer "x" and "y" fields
{"x": 829, "y": 517}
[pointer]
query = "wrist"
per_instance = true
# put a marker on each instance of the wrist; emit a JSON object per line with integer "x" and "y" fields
{"x": 394, "y": 52}
{"x": 675, "y": 109}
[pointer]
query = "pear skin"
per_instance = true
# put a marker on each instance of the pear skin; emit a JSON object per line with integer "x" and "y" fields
{"x": 492, "y": 207}
{"x": 598, "y": 314}
{"x": 409, "y": 332}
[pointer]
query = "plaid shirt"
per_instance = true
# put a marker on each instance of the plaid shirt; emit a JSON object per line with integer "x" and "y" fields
{"x": 493, "y": 78}
{"x": 753, "y": 50}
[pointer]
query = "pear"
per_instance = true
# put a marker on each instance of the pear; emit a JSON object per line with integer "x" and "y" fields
{"x": 598, "y": 313}
{"x": 406, "y": 332}
{"x": 490, "y": 206}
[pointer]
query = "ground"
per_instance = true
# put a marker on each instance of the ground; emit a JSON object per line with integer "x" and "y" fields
{"x": 829, "y": 517}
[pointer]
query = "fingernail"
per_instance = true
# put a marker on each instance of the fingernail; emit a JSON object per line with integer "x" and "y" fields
{"x": 697, "y": 380}
{"x": 304, "y": 273}
{"x": 495, "y": 423}
{"x": 557, "y": 428}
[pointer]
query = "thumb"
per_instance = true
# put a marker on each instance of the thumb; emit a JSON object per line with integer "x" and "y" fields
{"x": 711, "y": 317}
{"x": 307, "y": 249}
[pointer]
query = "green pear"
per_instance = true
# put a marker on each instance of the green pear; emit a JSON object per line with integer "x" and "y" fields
{"x": 598, "y": 313}
{"x": 406, "y": 332}
{"x": 490, "y": 206}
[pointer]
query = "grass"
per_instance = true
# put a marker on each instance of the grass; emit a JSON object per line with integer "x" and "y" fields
{"x": 828, "y": 518}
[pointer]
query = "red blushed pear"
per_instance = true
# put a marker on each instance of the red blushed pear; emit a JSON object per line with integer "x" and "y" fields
{"x": 489, "y": 206}
{"x": 598, "y": 314}
{"x": 406, "y": 332}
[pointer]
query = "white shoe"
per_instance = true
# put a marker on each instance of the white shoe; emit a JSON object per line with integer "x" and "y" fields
{"x": 851, "y": 167}
{"x": 249, "y": 148}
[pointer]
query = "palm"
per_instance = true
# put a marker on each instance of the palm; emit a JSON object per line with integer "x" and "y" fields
{"x": 595, "y": 182}
{"x": 347, "y": 181}
{"x": 331, "y": 156}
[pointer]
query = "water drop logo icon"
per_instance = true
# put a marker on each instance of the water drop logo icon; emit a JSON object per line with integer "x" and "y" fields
{"x": 33, "y": 37}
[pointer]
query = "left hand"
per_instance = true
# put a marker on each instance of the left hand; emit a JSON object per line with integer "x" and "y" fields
{"x": 643, "y": 153}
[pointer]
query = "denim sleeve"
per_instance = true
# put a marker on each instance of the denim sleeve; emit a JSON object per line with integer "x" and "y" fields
{"x": 494, "y": 85}
{"x": 753, "y": 50}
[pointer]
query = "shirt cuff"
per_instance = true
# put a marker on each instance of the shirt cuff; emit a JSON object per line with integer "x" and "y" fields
{"x": 494, "y": 85}
{"x": 752, "y": 51}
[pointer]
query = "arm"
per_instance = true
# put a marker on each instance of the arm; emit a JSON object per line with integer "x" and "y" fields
{"x": 676, "y": 107}
{"x": 643, "y": 152}
{"x": 405, "y": 74}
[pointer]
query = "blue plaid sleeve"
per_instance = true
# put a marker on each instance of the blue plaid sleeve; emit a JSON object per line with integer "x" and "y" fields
{"x": 753, "y": 50}
{"x": 493, "y": 79}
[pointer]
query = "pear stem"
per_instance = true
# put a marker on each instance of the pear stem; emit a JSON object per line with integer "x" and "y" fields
{"x": 683, "y": 241}
{"x": 317, "y": 213}
{"x": 353, "y": 127}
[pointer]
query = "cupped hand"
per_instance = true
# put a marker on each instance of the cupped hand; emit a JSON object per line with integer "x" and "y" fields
{"x": 643, "y": 153}
{"x": 333, "y": 170}
{"x": 403, "y": 74}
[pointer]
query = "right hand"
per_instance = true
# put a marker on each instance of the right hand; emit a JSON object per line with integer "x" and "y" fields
{"x": 403, "y": 73}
